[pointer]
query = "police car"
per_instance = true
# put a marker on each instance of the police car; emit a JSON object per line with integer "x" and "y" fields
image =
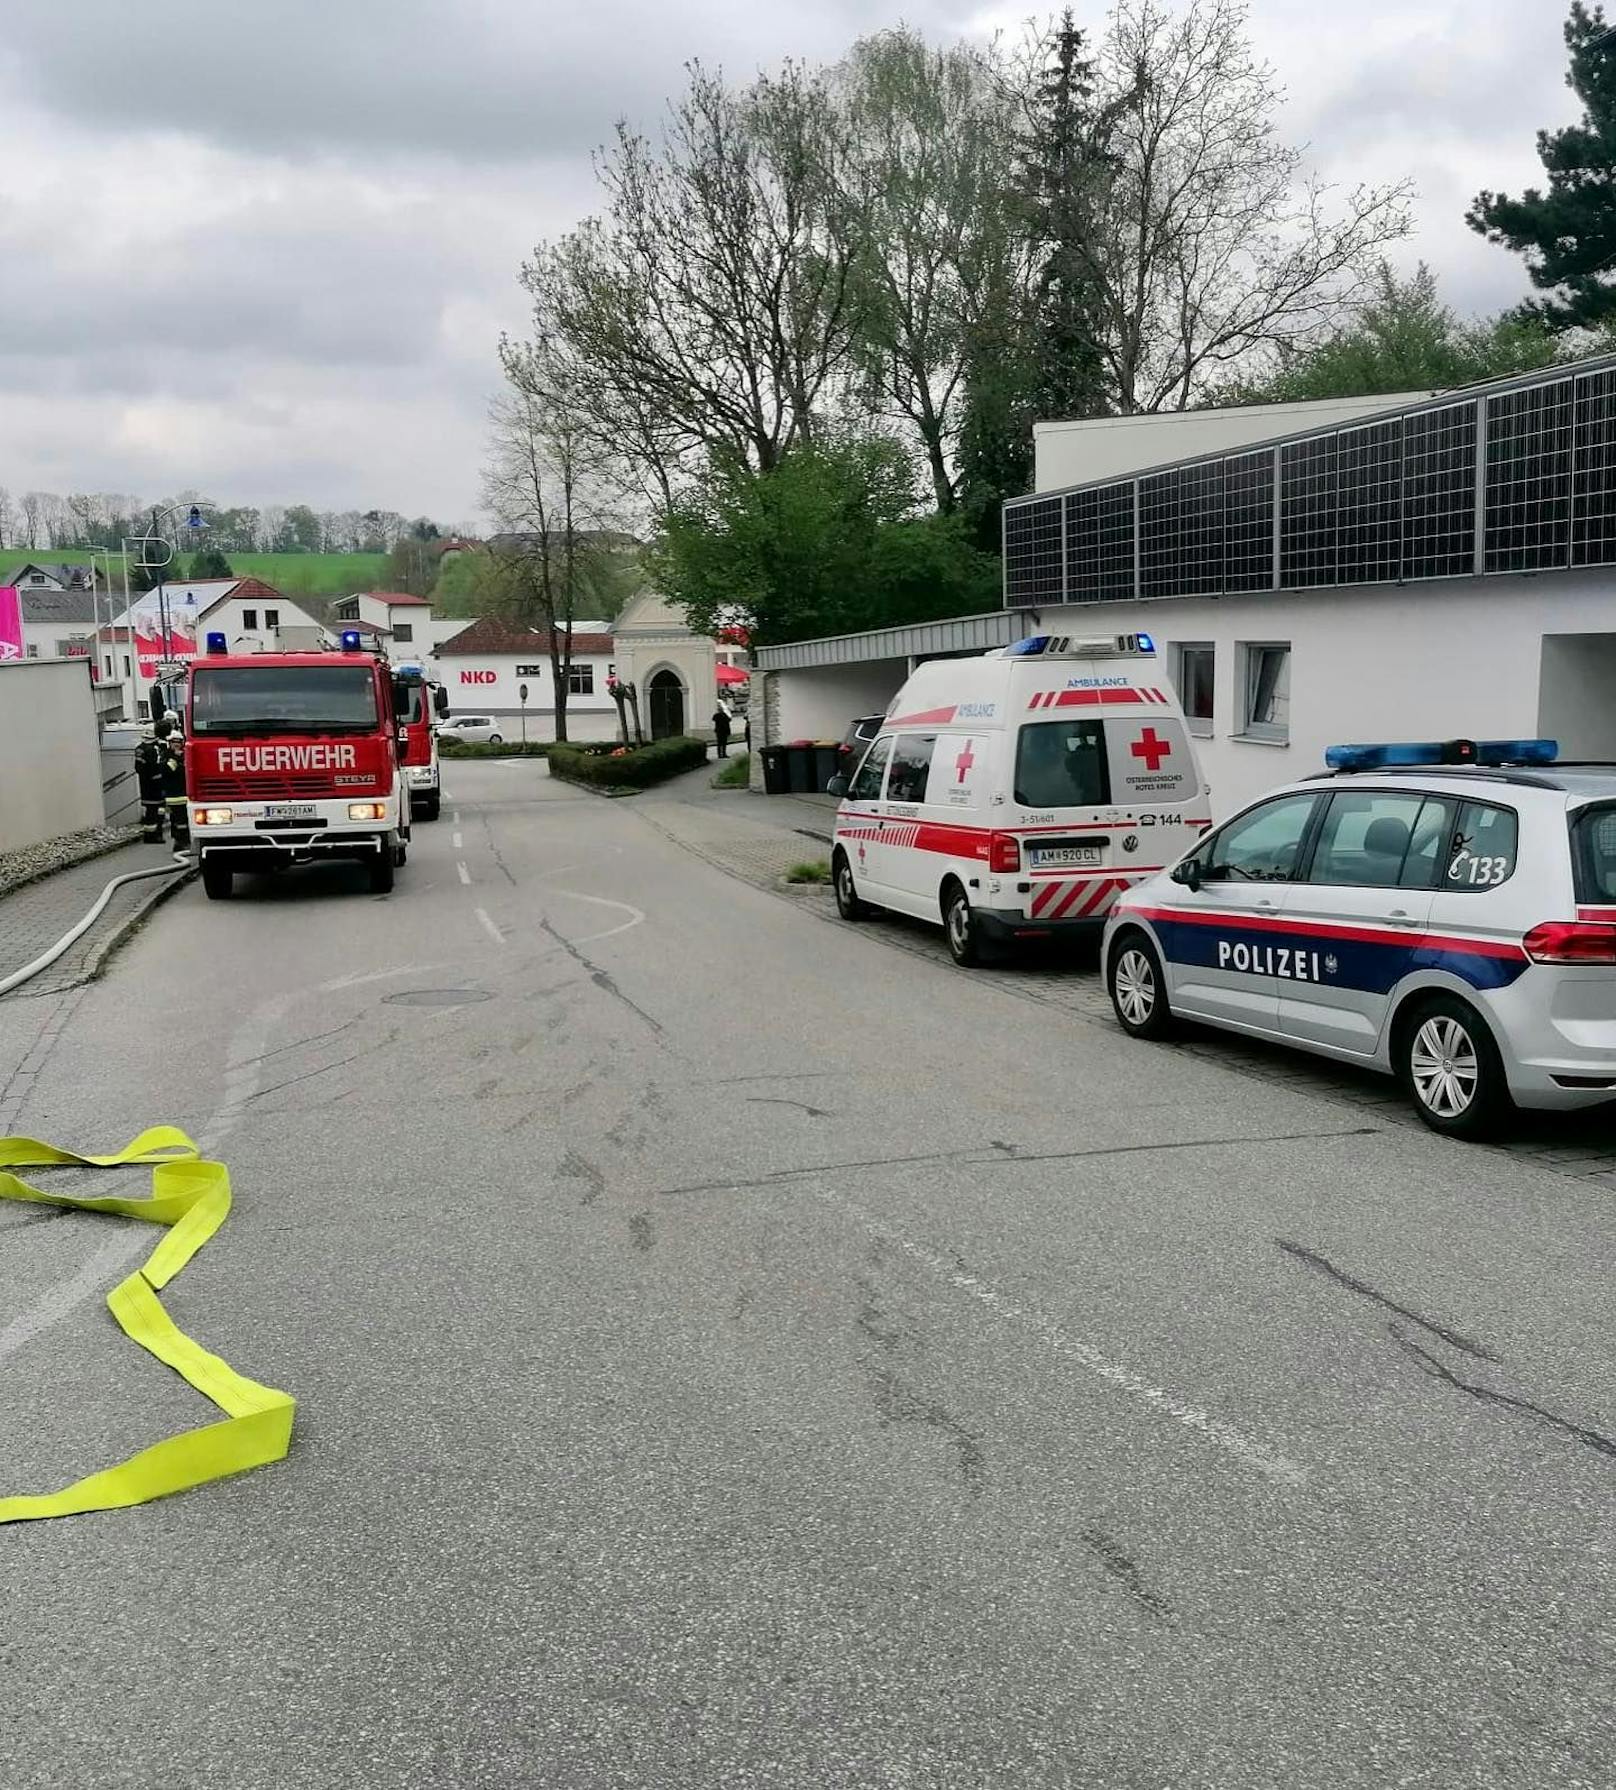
{"x": 1443, "y": 912}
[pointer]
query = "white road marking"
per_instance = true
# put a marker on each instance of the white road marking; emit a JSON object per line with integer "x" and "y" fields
{"x": 1281, "y": 1469}
{"x": 636, "y": 915}
{"x": 51, "y": 1307}
{"x": 459, "y": 842}
{"x": 465, "y": 874}
{"x": 455, "y": 816}
{"x": 488, "y": 924}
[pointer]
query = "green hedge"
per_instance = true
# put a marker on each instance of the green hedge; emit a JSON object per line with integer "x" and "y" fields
{"x": 487, "y": 749}
{"x": 611, "y": 767}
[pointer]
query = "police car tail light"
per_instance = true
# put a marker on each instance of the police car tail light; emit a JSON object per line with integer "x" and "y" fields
{"x": 1571, "y": 941}
{"x": 1004, "y": 854}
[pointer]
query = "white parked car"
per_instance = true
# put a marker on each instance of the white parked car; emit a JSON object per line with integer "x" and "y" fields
{"x": 473, "y": 729}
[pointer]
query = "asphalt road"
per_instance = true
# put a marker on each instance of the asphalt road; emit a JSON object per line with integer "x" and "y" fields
{"x": 734, "y": 1352}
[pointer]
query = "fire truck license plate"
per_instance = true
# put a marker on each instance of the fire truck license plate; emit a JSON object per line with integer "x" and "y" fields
{"x": 1062, "y": 857}
{"x": 289, "y": 811}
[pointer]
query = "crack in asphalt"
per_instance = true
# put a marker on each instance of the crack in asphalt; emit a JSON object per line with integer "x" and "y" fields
{"x": 600, "y": 978}
{"x": 802, "y": 1106}
{"x": 1125, "y": 1570}
{"x": 1000, "y": 1153}
{"x": 1428, "y": 1364}
{"x": 1322, "y": 1265}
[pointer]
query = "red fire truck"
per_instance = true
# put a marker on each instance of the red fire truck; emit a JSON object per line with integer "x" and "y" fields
{"x": 293, "y": 757}
{"x": 421, "y": 702}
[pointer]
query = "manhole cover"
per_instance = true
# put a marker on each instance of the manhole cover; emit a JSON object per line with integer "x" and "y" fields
{"x": 436, "y": 997}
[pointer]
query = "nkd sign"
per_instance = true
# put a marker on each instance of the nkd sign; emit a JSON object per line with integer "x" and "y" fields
{"x": 479, "y": 677}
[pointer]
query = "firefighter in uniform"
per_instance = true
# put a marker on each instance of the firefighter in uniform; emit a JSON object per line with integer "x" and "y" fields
{"x": 153, "y": 796}
{"x": 173, "y": 751}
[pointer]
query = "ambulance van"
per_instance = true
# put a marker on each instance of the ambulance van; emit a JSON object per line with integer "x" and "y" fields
{"x": 1014, "y": 796}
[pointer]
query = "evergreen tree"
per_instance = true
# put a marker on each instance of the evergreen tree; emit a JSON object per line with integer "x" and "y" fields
{"x": 1062, "y": 156}
{"x": 210, "y": 562}
{"x": 1568, "y": 232}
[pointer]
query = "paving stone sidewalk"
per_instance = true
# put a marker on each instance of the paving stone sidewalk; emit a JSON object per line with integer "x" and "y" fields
{"x": 33, "y": 917}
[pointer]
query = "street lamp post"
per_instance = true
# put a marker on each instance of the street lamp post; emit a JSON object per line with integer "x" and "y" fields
{"x": 149, "y": 562}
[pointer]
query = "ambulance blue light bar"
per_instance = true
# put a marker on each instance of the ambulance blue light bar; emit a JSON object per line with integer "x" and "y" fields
{"x": 1411, "y": 754}
{"x": 1068, "y": 646}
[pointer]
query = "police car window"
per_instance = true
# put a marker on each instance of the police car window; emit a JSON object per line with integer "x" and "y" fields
{"x": 1482, "y": 852}
{"x": 911, "y": 766}
{"x": 1432, "y": 831}
{"x": 1594, "y": 831}
{"x": 1365, "y": 839}
{"x": 1263, "y": 845}
{"x": 866, "y": 786}
{"x": 1062, "y": 764}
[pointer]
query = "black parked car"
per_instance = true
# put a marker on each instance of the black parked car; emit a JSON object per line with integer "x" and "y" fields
{"x": 856, "y": 742}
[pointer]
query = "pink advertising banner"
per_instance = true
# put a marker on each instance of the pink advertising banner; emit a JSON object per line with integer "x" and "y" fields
{"x": 10, "y": 623}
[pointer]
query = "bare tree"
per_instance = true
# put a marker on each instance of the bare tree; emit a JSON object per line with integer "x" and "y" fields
{"x": 1211, "y": 245}
{"x": 8, "y": 519}
{"x": 708, "y": 311}
{"x": 560, "y": 549}
{"x": 926, "y": 175}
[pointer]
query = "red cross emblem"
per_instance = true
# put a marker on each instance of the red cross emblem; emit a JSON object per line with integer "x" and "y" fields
{"x": 964, "y": 762}
{"x": 1151, "y": 749}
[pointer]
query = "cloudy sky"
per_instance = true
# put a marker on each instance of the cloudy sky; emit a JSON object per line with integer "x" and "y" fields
{"x": 268, "y": 250}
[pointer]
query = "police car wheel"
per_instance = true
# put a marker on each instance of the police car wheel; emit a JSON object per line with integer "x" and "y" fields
{"x": 1137, "y": 988}
{"x": 1451, "y": 1069}
{"x": 959, "y": 928}
{"x": 848, "y": 903}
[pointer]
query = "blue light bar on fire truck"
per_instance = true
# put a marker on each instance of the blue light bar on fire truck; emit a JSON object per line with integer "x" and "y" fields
{"x": 1070, "y": 646}
{"x": 1411, "y": 754}
{"x": 350, "y": 640}
{"x": 218, "y": 644}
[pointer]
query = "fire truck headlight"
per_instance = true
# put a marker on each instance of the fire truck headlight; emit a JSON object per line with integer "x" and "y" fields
{"x": 367, "y": 811}
{"x": 215, "y": 817}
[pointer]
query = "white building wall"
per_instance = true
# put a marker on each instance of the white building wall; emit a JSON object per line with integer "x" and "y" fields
{"x": 818, "y": 703}
{"x": 50, "y": 743}
{"x": 1073, "y": 453}
{"x": 297, "y": 631}
{"x": 1456, "y": 658}
{"x": 490, "y": 685}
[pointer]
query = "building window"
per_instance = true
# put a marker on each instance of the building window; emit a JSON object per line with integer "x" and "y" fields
{"x": 272, "y": 618}
{"x": 1196, "y": 664}
{"x": 530, "y": 671}
{"x": 581, "y": 680}
{"x": 36, "y": 578}
{"x": 403, "y": 632}
{"x": 1267, "y": 710}
{"x": 126, "y": 665}
{"x": 106, "y": 660}
{"x": 249, "y": 618}
{"x": 33, "y": 651}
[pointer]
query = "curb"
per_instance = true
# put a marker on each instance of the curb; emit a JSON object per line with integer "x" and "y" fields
{"x": 97, "y": 960}
{"x": 104, "y": 850}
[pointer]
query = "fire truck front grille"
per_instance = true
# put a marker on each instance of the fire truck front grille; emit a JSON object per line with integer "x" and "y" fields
{"x": 272, "y": 788}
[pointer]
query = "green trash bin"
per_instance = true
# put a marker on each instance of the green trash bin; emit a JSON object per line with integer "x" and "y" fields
{"x": 776, "y": 781}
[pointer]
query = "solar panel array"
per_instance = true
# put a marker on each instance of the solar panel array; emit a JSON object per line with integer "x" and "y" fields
{"x": 1518, "y": 480}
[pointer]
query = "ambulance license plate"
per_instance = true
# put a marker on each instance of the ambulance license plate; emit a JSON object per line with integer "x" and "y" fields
{"x": 289, "y": 811}
{"x": 1062, "y": 857}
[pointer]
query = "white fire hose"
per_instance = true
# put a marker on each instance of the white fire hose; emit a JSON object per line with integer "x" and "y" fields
{"x": 68, "y": 939}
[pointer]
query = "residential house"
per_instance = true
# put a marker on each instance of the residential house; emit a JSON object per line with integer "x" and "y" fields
{"x": 490, "y": 662}
{"x": 404, "y": 626}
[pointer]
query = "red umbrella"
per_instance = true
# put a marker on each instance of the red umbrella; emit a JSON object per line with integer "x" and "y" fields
{"x": 732, "y": 674}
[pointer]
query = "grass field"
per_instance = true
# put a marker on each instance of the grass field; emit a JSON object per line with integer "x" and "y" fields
{"x": 298, "y": 574}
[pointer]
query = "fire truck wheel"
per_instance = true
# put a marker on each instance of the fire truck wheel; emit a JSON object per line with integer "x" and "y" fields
{"x": 382, "y": 871}
{"x": 217, "y": 880}
{"x": 401, "y": 854}
{"x": 430, "y": 806}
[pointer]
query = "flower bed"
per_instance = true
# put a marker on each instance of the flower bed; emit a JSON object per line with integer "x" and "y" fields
{"x": 603, "y": 766}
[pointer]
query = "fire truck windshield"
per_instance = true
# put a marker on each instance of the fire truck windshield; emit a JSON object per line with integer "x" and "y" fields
{"x": 283, "y": 699}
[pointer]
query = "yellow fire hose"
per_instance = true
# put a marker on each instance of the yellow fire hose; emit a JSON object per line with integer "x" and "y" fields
{"x": 191, "y": 1196}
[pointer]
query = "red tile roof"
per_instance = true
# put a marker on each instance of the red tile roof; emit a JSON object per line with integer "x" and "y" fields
{"x": 491, "y": 636}
{"x": 397, "y": 599}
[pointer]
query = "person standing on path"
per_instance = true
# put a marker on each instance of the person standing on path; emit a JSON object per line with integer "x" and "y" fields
{"x": 721, "y": 721}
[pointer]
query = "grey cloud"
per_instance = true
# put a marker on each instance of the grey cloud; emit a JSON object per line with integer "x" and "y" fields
{"x": 468, "y": 82}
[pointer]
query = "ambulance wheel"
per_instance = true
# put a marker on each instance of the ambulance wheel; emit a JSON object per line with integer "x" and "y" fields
{"x": 960, "y": 928}
{"x": 1450, "y": 1068}
{"x": 382, "y": 871}
{"x": 431, "y": 806}
{"x": 848, "y": 904}
{"x": 1137, "y": 988}
{"x": 217, "y": 880}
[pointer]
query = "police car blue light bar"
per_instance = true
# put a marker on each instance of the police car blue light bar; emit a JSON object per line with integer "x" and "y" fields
{"x": 1412, "y": 754}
